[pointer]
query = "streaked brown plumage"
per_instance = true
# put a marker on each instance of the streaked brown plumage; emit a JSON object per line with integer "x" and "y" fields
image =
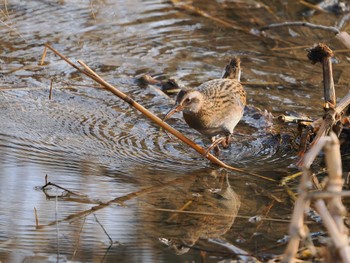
{"x": 215, "y": 107}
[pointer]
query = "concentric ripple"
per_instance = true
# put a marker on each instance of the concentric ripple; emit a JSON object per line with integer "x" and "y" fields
{"x": 81, "y": 127}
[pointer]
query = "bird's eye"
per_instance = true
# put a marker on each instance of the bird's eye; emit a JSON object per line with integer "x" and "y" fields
{"x": 188, "y": 100}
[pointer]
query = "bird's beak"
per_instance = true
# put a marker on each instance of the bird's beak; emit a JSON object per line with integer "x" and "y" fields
{"x": 177, "y": 108}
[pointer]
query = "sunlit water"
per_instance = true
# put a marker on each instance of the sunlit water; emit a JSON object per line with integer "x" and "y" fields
{"x": 93, "y": 144}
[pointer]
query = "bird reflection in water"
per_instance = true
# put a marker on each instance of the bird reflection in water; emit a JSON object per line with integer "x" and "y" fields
{"x": 202, "y": 207}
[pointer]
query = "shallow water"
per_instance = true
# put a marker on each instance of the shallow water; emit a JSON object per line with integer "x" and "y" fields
{"x": 93, "y": 144}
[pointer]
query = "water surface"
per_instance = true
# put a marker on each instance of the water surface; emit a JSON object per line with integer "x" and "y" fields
{"x": 93, "y": 144}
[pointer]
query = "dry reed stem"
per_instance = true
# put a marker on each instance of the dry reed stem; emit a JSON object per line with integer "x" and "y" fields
{"x": 36, "y": 218}
{"x": 43, "y": 56}
{"x": 227, "y": 23}
{"x": 339, "y": 239}
{"x": 187, "y": 7}
{"x": 335, "y": 206}
{"x": 78, "y": 241}
{"x": 94, "y": 76}
{"x": 50, "y": 94}
{"x": 328, "y": 194}
{"x": 332, "y": 219}
{"x": 297, "y": 228}
{"x": 311, "y": 6}
{"x": 330, "y": 118}
{"x": 322, "y": 53}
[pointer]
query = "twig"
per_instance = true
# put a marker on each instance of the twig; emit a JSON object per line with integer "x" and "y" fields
{"x": 91, "y": 74}
{"x": 60, "y": 187}
{"x": 36, "y": 218}
{"x": 332, "y": 116}
{"x": 57, "y": 229}
{"x": 6, "y": 10}
{"x": 288, "y": 178}
{"x": 50, "y": 95}
{"x": 301, "y": 23}
{"x": 104, "y": 230}
{"x": 180, "y": 4}
{"x": 316, "y": 7}
{"x": 92, "y": 11}
{"x": 76, "y": 246}
{"x": 43, "y": 57}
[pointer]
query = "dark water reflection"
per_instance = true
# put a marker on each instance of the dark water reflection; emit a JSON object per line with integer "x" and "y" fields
{"x": 91, "y": 143}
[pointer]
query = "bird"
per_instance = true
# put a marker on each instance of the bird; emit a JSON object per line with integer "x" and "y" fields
{"x": 215, "y": 107}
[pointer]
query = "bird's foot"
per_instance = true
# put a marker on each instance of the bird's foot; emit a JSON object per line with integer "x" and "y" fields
{"x": 215, "y": 146}
{"x": 226, "y": 143}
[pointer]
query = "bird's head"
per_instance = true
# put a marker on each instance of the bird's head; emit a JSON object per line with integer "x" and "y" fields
{"x": 189, "y": 101}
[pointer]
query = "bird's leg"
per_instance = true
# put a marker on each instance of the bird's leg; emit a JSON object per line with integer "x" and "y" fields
{"x": 226, "y": 143}
{"x": 215, "y": 145}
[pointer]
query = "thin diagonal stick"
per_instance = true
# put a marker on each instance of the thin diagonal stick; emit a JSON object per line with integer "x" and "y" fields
{"x": 104, "y": 230}
{"x": 91, "y": 74}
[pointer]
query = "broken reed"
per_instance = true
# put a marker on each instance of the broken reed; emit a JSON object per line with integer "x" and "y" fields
{"x": 94, "y": 76}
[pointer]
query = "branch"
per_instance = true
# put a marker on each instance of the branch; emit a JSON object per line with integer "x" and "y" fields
{"x": 94, "y": 76}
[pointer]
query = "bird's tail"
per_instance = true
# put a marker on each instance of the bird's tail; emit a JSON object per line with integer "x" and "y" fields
{"x": 233, "y": 69}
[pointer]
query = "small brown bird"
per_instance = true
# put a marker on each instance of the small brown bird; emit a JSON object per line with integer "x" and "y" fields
{"x": 215, "y": 107}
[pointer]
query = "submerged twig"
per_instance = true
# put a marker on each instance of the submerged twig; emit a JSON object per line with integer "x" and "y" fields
{"x": 50, "y": 94}
{"x": 94, "y": 76}
{"x": 36, "y": 218}
{"x": 231, "y": 24}
{"x": 59, "y": 187}
{"x": 57, "y": 228}
{"x": 104, "y": 230}
{"x": 301, "y": 23}
{"x": 315, "y": 7}
{"x": 76, "y": 246}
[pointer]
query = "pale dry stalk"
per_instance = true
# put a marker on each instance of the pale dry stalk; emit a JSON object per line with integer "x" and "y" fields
{"x": 333, "y": 218}
{"x": 333, "y": 214}
{"x": 297, "y": 229}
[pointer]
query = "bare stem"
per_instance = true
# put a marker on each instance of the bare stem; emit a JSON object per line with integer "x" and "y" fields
{"x": 94, "y": 76}
{"x": 301, "y": 23}
{"x": 50, "y": 94}
{"x": 323, "y": 54}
